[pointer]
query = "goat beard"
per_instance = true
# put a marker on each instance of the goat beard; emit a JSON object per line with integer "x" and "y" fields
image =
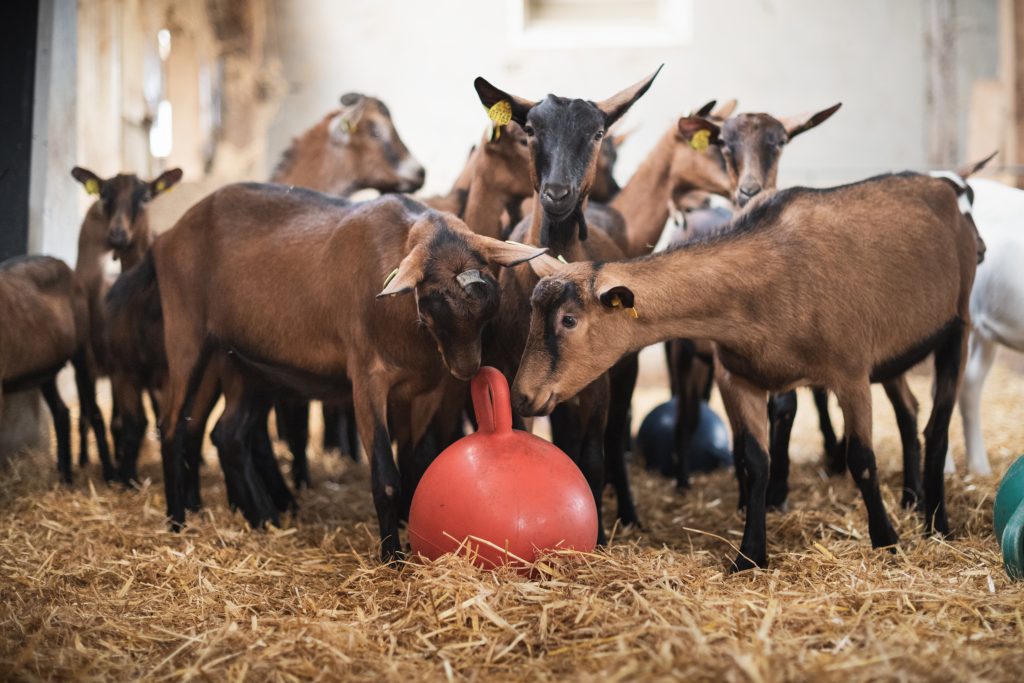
{"x": 581, "y": 221}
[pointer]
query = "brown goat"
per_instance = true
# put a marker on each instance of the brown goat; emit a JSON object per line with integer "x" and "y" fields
{"x": 351, "y": 148}
{"x": 354, "y": 148}
{"x": 45, "y": 325}
{"x": 672, "y": 169}
{"x": 116, "y": 224}
{"x": 220, "y": 271}
{"x": 752, "y": 145}
{"x": 837, "y": 288}
{"x": 564, "y": 142}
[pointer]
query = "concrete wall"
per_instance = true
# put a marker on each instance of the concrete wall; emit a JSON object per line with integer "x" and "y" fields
{"x": 780, "y": 57}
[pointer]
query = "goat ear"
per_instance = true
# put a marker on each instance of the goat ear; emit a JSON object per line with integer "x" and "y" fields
{"x": 89, "y": 180}
{"x": 491, "y": 96}
{"x": 725, "y": 109}
{"x": 699, "y": 132}
{"x": 165, "y": 181}
{"x": 506, "y": 254}
{"x": 344, "y": 123}
{"x": 706, "y": 109}
{"x": 618, "y": 296}
{"x": 407, "y": 275}
{"x": 545, "y": 265}
{"x": 970, "y": 169}
{"x": 798, "y": 124}
{"x": 618, "y": 104}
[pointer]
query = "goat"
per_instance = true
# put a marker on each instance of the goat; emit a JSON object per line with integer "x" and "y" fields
{"x": 672, "y": 169}
{"x": 752, "y": 145}
{"x": 997, "y": 303}
{"x": 220, "y": 270}
{"x": 832, "y": 287}
{"x": 40, "y": 295}
{"x": 351, "y": 148}
{"x": 354, "y": 148}
{"x": 564, "y": 142}
{"x": 116, "y": 224}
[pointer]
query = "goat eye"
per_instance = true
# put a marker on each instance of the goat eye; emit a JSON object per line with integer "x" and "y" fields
{"x": 568, "y": 321}
{"x": 528, "y": 129}
{"x": 598, "y": 135}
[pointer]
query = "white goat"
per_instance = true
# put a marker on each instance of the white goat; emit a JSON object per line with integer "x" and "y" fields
{"x": 997, "y": 304}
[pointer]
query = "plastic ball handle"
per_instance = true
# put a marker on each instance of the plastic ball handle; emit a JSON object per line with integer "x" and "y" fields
{"x": 491, "y": 403}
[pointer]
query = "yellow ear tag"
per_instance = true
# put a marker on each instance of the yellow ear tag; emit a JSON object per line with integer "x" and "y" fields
{"x": 500, "y": 113}
{"x": 632, "y": 312}
{"x": 390, "y": 277}
{"x": 616, "y": 302}
{"x": 160, "y": 186}
{"x": 92, "y": 186}
{"x": 699, "y": 141}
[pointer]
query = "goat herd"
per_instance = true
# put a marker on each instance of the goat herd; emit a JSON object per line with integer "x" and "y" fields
{"x": 270, "y": 295}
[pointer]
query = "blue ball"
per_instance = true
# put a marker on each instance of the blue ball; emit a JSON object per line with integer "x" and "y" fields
{"x": 709, "y": 448}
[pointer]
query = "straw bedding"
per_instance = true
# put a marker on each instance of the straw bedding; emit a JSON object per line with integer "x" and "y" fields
{"x": 93, "y": 587}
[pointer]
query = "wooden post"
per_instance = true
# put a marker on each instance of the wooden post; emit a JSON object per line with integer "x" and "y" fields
{"x": 941, "y": 94}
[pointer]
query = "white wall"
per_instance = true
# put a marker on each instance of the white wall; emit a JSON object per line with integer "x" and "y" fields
{"x": 780, "y": 57}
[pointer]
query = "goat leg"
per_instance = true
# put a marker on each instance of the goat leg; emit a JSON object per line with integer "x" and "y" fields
{"x": 781, "y": 415}
{"x": 745, "y": 406}
{"x": 61, "y": 425}
{"x": 905, "y": 406}
{"x": 949, "y": 357}
{"x": 855, "y": 401}
{"x": 623, "y": 380}
{"x": 835, "y": 453}
{"x": 266, "y": 463}
{"x": 90, "y": 415}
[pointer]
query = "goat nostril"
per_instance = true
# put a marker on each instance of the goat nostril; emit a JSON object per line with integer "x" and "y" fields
{"x": 556, "y": 192}
{"x": 750, "y": 190}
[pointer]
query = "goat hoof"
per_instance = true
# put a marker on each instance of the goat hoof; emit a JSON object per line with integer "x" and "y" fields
{"x": 885, "y": 538}
{"x": 742, "y": 563}
{"x": 391, "y": 554}
{"x": 912, "y": 500}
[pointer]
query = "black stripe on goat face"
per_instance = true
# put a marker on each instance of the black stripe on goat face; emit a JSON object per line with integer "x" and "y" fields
{"x": 752, "y": 145}
{"x": 565, "y": 137}
{"x": 455, "y": 310}
{"x": 556, "y": 313}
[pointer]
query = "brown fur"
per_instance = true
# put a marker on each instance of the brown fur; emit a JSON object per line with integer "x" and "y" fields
{"x": 500, "y": 177}
{"x": 254, "y": 271}
{"x": 752, "y": 145}
{"x": 45, "y": 324}
{"x": 861, "y": 276}
{"x": 349, "y": 149}
{"x": 117, "y": 223}
{"x": 672, "y": 170}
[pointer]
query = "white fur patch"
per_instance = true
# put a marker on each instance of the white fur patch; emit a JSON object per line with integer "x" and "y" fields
{"x": 409, "y": 168}
{"x": 962, "y": 201}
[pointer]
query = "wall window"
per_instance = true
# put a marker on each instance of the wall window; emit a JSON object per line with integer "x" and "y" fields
{"x": 590, "y": 23}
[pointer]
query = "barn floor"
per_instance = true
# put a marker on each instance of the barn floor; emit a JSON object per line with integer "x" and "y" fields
{"x": 94, "y": 587}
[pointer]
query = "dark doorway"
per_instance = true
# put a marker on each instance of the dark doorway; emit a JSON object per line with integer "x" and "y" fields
{"x": 18, "y": 34}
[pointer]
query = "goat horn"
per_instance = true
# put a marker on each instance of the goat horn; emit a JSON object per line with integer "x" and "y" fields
{"x": 469, "y": 277}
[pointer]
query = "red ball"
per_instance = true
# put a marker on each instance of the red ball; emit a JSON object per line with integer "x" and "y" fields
{"x": 503, "y": 493}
